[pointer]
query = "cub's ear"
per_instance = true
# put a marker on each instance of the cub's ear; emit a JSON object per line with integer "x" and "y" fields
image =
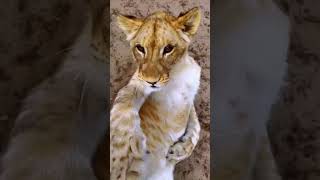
{"x": 129, "y": 24}
{"x": 188, "y": 22}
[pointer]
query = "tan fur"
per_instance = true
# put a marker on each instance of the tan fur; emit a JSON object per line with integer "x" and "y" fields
{"x": 143, "y": 130}
{"x": 154, "y": 33}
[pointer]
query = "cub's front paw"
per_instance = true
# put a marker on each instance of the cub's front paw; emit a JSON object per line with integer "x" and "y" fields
{"x": 180, "y": 151}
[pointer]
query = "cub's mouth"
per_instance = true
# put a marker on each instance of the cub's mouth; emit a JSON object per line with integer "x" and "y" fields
{"x": 155, "y": 85}
{"x": 154, "y": 82}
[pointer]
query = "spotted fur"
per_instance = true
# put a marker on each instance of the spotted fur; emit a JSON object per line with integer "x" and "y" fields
{"x": 153, "y": 120}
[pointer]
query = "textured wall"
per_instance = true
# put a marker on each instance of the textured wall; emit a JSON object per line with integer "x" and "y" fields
{"x": 122, "y": 68}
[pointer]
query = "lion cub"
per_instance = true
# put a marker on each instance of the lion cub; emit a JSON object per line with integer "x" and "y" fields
{"x": 153, "y": 120}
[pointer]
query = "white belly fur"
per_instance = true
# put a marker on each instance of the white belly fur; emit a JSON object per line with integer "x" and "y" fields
{"x": 184, "y": 82}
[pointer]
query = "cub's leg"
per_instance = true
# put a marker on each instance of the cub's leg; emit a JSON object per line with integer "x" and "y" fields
{"x": 127, "y": 141}
{"x": 127, "y": 145}
{"x": 184, "y": 147}
{"x": 166, "y": 173}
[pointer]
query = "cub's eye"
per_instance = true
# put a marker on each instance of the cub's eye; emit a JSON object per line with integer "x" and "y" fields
{"x": 168, "y": 49}
{"x": 140, "y": 48}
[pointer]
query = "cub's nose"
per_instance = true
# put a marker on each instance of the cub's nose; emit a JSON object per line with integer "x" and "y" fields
{"x": 152, "y": 83}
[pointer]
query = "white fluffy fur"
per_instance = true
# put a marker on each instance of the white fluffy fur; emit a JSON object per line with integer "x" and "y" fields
{"x": 185, "y": 79}
{"x": 250, "y": 48}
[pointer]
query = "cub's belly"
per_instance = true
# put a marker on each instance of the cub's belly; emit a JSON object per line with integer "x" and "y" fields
{"x": 158, "y": 168}
{"x": 161, "y": 126}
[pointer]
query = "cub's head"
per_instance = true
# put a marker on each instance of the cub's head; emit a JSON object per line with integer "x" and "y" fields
{"x": 158, "y": 42}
